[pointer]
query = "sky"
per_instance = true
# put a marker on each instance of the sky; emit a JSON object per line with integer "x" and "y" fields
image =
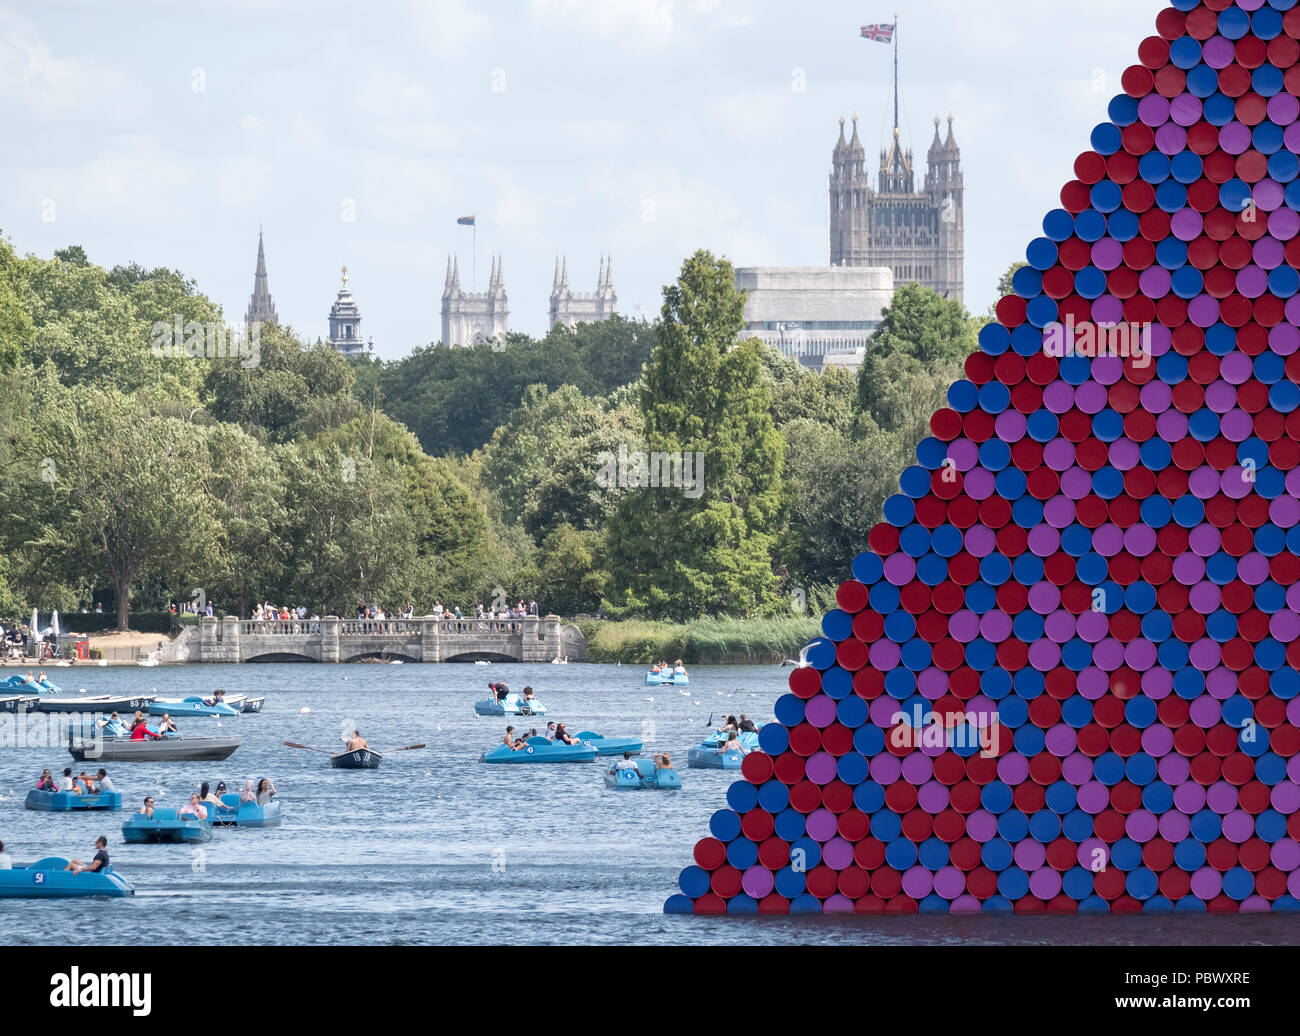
{"x": 166, "y": 133}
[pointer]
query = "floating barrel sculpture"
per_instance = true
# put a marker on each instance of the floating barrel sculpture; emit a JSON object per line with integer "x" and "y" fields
{"x": 1063, "y": 677}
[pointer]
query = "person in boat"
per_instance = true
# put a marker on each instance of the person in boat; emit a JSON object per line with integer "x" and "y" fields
{"x": 113, "y": 726}
{"x": 356, "y": 741}
{"x": 678, "y": 668}
{"x": 67, "y": 782}
{"x": 549, "y": 733}
{"x": 46, "y": 783}
{"x": 499, "y": 690}
{"x": 265, "y": 791}
{"x": 206, "y": 796}
{"x": 747, "y": 725}
{"x": 218, "y": 698}
{"x": 193, "y": 808}
{"x": 625, "y": 763}
{"x": 98, "y": 863}
{"x": 103, "y": 783}
{"x": 147, "y": 808}
{"x": 663, "y": 761}
{"x": 529, "y": 697}
{"x": 511, "y": 742}
{"x": 167, "y": 725}
{"x": 562, "y": 736}
{"x": 247, "y": 794}
{"x": 141, "y": 731}
{"x": 732, "y": 744}
{"x": 6, "y": 864}
{"x": 220, "y": 802}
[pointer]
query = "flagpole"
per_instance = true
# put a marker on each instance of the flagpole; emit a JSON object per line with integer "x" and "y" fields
{"x": 895, "y": 70}
{"x": 474, "y": 273}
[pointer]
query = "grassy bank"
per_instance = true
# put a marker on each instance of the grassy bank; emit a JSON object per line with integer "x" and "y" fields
{"x": 699, "y": 641}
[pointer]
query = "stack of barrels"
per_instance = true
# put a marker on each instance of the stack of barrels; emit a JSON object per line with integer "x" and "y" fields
{"x": 1063, "y": 677}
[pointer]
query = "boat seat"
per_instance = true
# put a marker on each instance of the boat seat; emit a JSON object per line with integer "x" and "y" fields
{"x": 49, "y": 863}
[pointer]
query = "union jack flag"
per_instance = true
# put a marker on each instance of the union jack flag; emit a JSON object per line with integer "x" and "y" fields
{"x": 879, "y": 33}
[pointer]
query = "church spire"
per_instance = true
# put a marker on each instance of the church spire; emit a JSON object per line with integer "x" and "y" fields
{"x": 261, "y": 308}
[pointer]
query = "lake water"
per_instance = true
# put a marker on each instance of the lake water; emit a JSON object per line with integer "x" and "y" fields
{"x": 436, "y": 847}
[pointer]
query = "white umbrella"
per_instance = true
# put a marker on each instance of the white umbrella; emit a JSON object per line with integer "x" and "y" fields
{"x": 36, "y": 629}
{"x": 54, "y": 621}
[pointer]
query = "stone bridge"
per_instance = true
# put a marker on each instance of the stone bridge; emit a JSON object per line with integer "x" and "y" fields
{"x": 428, "y": 639}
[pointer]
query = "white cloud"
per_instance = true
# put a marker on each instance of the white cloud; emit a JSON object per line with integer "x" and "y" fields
{"x": 38, "y": 86}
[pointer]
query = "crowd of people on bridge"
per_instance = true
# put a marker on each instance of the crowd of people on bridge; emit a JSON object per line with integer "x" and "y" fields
{"x": 283, "y": 619}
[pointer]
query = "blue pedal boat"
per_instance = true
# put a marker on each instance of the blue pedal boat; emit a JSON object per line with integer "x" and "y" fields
{"x": 166, "y": 826}
{"x": 658, "y": 679}
{"x": 68, "y": 801}
{"x": 610, "y": 745}
{"x": 706, "y": 756}
{"x": 513, "y": 705}
{"x": 246, "y": 814}
{"x": 49, "y": 878}
{"x": 541, "y": 750}
{"x": 644, "y": 777}
{"x": 191, "y": 705}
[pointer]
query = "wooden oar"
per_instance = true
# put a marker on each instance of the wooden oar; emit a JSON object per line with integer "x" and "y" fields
{"x": 408, "y": 748}
{"x": 294, "y": 744}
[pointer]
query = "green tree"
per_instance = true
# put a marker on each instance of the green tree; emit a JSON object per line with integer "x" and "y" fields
{"x": 829, "y": 398}
{"x": 353, "y": 537}
{"x": 125, "y": 494}
{"x": 920, "y": 333}
{"x": 244, "y": 483}
{"x": 669, "y": 554}
{"x": 291, "y": 391}
{"x": 838, "y": 486}
{"x": 15, "y": 321}
{"x": 450, "y": 525}
{"x": 542, "y": 463}
{"x": 566, "y": 574}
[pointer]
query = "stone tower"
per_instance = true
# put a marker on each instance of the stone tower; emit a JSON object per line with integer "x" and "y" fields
{"x": 261, "y": 309}
{"x": 345, "y": 323}
{"x": 916, "y": 234}
{"x": 474, "y": 318}
{"x": 570, "y": 308}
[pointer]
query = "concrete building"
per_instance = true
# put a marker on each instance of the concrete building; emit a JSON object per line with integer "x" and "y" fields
{"x": 474, "y": 318}
{"x": 819, "y": 315}
{"x": 918, "y": 234}
{"x": 345, "y": 324}
{"x": 569, "y": 307}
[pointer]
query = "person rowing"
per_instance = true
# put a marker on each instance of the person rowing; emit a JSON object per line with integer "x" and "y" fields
{"x": 356, "y": 741}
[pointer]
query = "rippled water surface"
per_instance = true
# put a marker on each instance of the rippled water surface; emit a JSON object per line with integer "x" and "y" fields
{"x": 436, "y": 847}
